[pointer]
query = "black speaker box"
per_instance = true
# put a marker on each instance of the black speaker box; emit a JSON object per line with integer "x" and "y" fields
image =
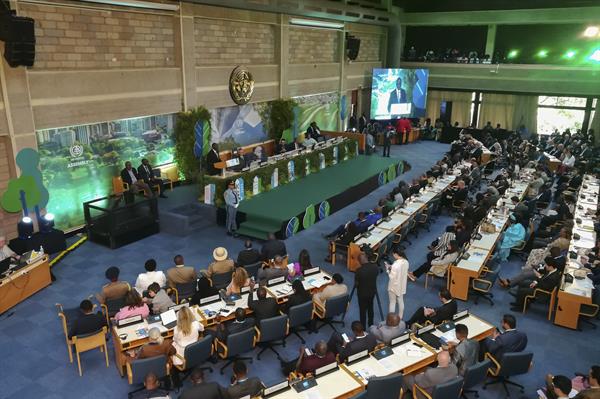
{"x": 19, "y": 37}
{"x": 352, "y": 47}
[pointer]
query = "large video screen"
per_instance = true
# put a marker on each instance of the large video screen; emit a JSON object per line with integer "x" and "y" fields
{"x": 399, "y": 93}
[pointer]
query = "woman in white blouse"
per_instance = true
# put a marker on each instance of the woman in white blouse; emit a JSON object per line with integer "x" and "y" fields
{"x": 186, "y": 332}
{"x": 398, "y": 274}
{"x": 568, "y": 159}
{"x": 151, "y": 276}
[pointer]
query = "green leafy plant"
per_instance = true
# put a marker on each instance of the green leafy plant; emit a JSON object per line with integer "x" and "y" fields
{"x": 277, "y": 116}
{"x": 185, "y": 139}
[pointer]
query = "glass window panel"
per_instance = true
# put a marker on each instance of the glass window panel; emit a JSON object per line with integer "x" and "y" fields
{"x": 550, "y": 119}
{"x": 554, "y": 101}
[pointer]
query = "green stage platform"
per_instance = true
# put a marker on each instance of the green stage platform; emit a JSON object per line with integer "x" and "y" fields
{"x": 271, "y": 210}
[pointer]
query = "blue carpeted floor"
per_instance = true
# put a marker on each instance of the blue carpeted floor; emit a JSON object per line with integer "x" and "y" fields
{"x": 34, "y": 355}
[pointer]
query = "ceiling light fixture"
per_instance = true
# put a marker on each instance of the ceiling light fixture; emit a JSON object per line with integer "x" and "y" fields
{"x": 137, "y": 4}
{"x": 315, "y": 23}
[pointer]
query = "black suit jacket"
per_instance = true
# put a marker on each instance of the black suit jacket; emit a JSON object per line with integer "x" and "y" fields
{"x": 233, "y": 327}
{"x": 297, "y": 299}
{"x": 508, "y": 342}
{"x": 87, "y": 323}
{"x": 444, "y": 312}
{"x": 211, "y": 159}
{"x": 263, "y": 308}
{"x": 395, "y": 100}
{"x": 549, "y": 281}
{"x": 248, "y": 257}
{"x": 144, "y": 175}
{"x": 206, "y": 390}
{"x": 126, "y": 177}
{"x": 272, "y": 248}
{"x": 252, "y": 386}
{"x": 365, "y": 280}
{"x": 358, "y": 345}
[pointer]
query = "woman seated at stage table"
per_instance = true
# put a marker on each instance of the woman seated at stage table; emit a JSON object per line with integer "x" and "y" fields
{"x": 238, "y": 281}
{"x": 513, "y": 237}
{"x": 186, "y": 332}
{"x": 300, "y": 266}
{"x": 134, "y": 306}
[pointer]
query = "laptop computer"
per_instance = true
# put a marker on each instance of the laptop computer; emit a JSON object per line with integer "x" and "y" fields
{"x": 4, "y": 265}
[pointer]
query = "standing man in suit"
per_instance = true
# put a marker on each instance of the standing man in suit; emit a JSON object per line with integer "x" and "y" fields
{"x": 398, "y": 274}
{"x": 435, "y": 315}
{"x": 397, "y": 96}
{"x": 248, "y": 255}
{"x": 547, "y": 282}
{"x": 147, "y": 175}
{"x": 361, "y": 341}
{"x": 241, "y": 385}
{"x": 202, "y": 388}
{"x": 273, "y": 247}
{"x": 511, "y": 340}
{"x": 365, "y": 280}
{"x": 263, "y": 308}
{"x": 180, "y": 274}
{"x": 232, "y": 202}
{"x": 211, "y": 158}
{"x": 444, "y": 372}
{"x": 465, "y": 352}
{"x": 386, "y": 331}
{"x": 130, "y": 176}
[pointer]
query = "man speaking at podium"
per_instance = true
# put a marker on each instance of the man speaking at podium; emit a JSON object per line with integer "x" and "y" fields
{"x": 397, "y": 96}
{"x": 211, "y": 158}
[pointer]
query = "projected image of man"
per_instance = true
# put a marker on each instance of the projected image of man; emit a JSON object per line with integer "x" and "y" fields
{"x": 397, "y": 96}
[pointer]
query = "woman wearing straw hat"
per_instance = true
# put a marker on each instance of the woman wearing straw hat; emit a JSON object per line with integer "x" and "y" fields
{"x": 222, "y": 263}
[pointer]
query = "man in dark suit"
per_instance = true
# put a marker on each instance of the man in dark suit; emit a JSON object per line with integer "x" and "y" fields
{"x": 87, "y": 322}
{"x": 365, "y": 280}
{"x": 547, "y": 282}
{"x": 272, "y": 248}
{"x": 201, "y": 388}
{"x": 314, "y": 132}
{"x": 211, "y": 158}
{"x": 511, "y": 340}
{"x": 147, "y": 175}
{"x": 130, "y": 176}
{"x": 397, "y": 96}
{"x": 248, "y": 255}
{"x": 435, "y": 315}
{"x": 264, "y": 307}
{"x": 241, "y": 385}
{"x": 239, "y": 324}
{"x": 361, "y": 341}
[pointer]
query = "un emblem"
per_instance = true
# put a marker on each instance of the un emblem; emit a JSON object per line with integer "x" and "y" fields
{"x": 241, "y": 85}
{"x": 76, "y": 150}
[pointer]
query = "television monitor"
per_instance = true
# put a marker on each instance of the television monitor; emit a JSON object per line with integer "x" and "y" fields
{"x": 399, "y": 92}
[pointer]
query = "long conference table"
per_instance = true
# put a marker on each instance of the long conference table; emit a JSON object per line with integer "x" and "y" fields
{"x": 572, "y": 295}
{"x": 478, "y": 252}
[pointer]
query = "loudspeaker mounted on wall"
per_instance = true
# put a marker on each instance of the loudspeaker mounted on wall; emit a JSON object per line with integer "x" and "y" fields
{"x": 18, "y": 34}
{"x": 352, "y": 47}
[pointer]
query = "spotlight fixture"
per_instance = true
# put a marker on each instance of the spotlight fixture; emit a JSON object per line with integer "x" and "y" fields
{"x": 591, "y": 31}
{"x": 570, "y": 54}
{"x": 512, "y": 54}
{"x": 595, "y": 55}
{"x": 542, "y": 53}
{"x": 47, "y": 223}
{"x": 25, "y": 228}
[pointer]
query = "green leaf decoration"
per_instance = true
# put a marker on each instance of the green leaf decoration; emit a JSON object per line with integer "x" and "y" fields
{"x": 11, "y": 200}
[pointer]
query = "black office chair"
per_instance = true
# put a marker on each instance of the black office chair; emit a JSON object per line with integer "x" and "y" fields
{"x": 300, "y": 317}
{"x": 385, "y": 387}
{"x": 138, "y": 369}
{"x": 194, "y": 355}
{"x": 360, "y": 395}
{"x": 272, "y": 332}
{"x": 333, "y": 307}
{"x": 482, "y": 287}
{"x": 183, "y": 292}
{"x": 475, "y": 375}
{"x": 111, "y": 307}
{"x": 511, "y": 364}
{"x": 447, "y": 390}
{"x": 402, "y": 234}
{"x": 252, "y": 269}
{"x": 221, "y": 280}
{"x": 235, "y": 345}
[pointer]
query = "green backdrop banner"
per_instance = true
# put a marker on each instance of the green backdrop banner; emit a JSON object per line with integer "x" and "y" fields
{"x": 322, "y": 108}
{"x": 79, "y": 162}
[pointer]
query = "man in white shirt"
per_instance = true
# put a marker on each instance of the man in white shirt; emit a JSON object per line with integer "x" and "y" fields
{"x": 151, "y": 276}
{"x": 398, "y": 274}
{"x": 130, "y": 176}
{"x": 309, "y": 142}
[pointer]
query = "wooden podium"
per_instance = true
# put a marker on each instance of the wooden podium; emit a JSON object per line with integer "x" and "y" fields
{"x": 23, "y": 283}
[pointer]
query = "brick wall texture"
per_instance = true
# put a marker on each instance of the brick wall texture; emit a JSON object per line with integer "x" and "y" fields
{"x": 72, "y": 38}
{"x": 8, "y": 221}
{"x": 313, "y": 46}
{"x": 370, "y": 46}
{"x": 219, "y": 42}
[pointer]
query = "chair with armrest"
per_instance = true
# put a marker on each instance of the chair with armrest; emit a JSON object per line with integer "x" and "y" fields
{"x": 511, "y": 364}
{"x": 481, "y": 287}
{"x": 335, "y": 306}
{"x": 157, "y": 172}
{"x": 221, "y": 280}
{"x": 389, "y": 386}
{"x": 458, "y": 206}
{"x": 87, "y": 342}
{"x": 589, "y": 312}
{"x": 336, "y": 248}
{"x": 111, "y": 307}
{"x": 360, "y": 395}
{"x": 138, "y": 369}
{"x": 448, "y": 390}
{"x": 196, "y": 354}
{"x": 539, "y": 293}
{"x": 402, "y": 234}
{"x": 252, "y": 269}
{"x": 235, "y": 345}
{"x": 66, "y": 318}
{"x": 183, "y": 291}
{"x": 299, "y": 317}
{"x": 433, "y": 276}
{"x": 272, "y": 332}
{"x": 475, "y": 375}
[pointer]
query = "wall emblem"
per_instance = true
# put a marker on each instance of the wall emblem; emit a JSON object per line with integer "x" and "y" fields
{"x": 241, "y": 85}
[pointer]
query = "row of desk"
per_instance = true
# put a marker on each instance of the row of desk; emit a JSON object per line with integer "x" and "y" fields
{"x": 572, "y": 295}
{"x": 480, "y": 251}
{"x": 19, "y": 285}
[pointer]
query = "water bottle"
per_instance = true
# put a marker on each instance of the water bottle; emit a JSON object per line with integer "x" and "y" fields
{"x": 41, "y": 250}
